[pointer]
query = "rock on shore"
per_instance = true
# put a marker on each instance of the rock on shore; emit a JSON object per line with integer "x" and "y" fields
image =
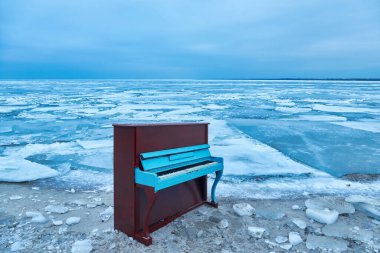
{"x": 50, "y": 220}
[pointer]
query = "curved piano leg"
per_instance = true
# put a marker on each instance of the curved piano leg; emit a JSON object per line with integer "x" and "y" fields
{"x": 218, "y": 175}
{"x": 151, "y": 198}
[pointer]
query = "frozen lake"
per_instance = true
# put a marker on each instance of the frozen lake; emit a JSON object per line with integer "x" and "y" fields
{"x": 271, "y": 131}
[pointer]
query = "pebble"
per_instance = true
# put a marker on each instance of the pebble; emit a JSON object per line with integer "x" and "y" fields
{"x": 56, "y": 209}
{"x": 200, "y": 233}
{"x": 299, "y": 223}
{"x": 223, "y": 224}
{"x": 295, "y": 238}
{"x": 83, "y": 246}
{"x": 256, "y": 232}
{"x": 281, "y": 239}
{"x": 243, "y": 209}
{"x": 72, "y": 220}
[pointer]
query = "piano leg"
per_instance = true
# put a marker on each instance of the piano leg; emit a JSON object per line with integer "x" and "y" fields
{"x": 218, "y": 175}
{"x": 145, "y": 237}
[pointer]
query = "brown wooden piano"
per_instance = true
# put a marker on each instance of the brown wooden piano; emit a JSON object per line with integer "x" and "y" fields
{"x": 160, "y": 173}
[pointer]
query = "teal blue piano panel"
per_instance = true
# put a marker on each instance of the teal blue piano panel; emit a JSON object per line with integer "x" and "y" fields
{"x": 172, "y": 151}
{"x": 174, "y": 159}
{"x": 162, "y": 184}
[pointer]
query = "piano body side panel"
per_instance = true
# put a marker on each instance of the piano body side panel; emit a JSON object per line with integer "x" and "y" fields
{"x": 178, "y": 199}
{"x": 124, "y": 176}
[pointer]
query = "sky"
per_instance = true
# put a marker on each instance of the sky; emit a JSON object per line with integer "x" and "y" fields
{"x": 198, "y": 39}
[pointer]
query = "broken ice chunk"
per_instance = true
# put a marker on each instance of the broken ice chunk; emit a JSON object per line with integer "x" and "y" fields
{"x": 269, "y": 213}
{"x": 243, "y": 209}
{"x": 56, "y": 209}
{"x": 326, "y": 243}
{"x": 83, "y": 246}
{"x": 299, "y": 223}
{"x": 363, "y": 199}
{"x": 223, "y": 224}
{"x": 326, "y": 216}
{"x": 295, "y": 238}
{"x": 106, "y": 214}
{"x": 370, "y": 210}
{"x": 286, "y": 246}
{"x": 36, "y": 216}
{"x": 15, "y": 169}
{"x": 281, "y": 239}
{"x": 57, "y": 222}
{"x": 72, "y": 220}
{"x": 345, "y": 230}
{"x": 15, "y": 197}
{"x": 330, "y": 202}
{"x": 256, "y": 232}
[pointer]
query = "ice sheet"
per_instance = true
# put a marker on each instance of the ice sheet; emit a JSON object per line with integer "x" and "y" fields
{"x": 331, "y": 108}
{"x": 67, "y": 125}
{"x": 328, "y": 147}
{"x": 21, "y": 170}
{"x": 361, "y": 125}
{"x": 328, "y": 118}
{"x": 246, "y": 156}
{"x": 292, "y": 109}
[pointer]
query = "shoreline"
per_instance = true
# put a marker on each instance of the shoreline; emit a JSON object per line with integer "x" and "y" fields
{"x": 204, "y": 229}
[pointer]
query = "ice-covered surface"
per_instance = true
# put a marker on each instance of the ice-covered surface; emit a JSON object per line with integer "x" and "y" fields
{"x": 277, "y": 137}
{"x": 20, "y": 170}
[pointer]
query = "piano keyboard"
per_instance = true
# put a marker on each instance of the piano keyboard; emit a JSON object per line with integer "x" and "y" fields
{"x": 187, "y": 170}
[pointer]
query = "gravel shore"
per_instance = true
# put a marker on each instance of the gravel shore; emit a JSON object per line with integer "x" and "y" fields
{"x": 38, "y": 219}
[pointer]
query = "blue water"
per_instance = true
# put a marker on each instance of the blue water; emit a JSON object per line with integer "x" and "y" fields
{"x": 297, "y": 126}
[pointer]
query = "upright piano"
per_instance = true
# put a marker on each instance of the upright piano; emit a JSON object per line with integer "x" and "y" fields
{"x": 160, "y": 173}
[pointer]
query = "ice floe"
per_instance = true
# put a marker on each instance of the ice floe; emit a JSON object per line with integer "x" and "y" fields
{"x": 14, "y": 169}
{"x": 361, "y": 125}
{"x": 331, "y": 108}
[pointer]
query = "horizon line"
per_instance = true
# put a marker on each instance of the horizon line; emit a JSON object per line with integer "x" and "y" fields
{"x": 205, "y": 79}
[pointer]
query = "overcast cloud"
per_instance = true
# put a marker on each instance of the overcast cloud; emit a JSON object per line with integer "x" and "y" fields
{"x": 189, "y": 39}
